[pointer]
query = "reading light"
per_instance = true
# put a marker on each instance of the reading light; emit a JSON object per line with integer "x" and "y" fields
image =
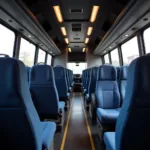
{"x": 126, "y": 35}
{"x": 58, "y": 13}
{"x": 86, "y": 40}
{"x": 89, "y": 32}
{"x": 66, "y": 40}
{"x": 63, "y": 30}
{"x": 83, "y": 50}
{"x": 94, "y": 13}
{"x": 69, "y": 49}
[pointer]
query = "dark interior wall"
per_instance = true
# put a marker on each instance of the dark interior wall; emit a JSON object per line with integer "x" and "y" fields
{"x": 92, "y": 60}
{"x": 62, "y": 59}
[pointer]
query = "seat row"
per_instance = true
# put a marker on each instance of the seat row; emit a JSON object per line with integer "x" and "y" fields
{"x": 29, "y": 111}
{"x": 122, "y": 105}
{"x": 51, "y": 90}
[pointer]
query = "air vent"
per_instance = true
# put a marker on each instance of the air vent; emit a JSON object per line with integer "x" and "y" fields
{"x": 76, "y": 38}
{"x": 76, "y": 46}
{"x": 76, "y": 27}
{"x": 76, "y": 10}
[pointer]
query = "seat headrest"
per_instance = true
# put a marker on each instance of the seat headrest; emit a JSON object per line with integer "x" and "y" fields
{"x": 41, "y": 74}
{"x": 107, "y": 72}
{"x": 59, "y": 72}
{"x": 13, "y": 81}
{"x": 138, "y": 83}
{"x": 123, "y": 72}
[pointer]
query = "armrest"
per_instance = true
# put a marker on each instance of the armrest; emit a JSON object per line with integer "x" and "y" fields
{"x": 49, "y": 129}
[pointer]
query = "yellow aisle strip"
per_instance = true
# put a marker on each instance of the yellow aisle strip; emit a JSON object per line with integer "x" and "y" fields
{"x": 88, "y": 128}
{"x": 67, "y": 125}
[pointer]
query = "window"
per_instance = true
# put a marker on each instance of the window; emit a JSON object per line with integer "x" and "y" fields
{"x": 49, "y": 59}
{"x": 77, "y": 68}
{"x": 27, "y": 52}
{"x": 106, "y": 59}
{"x": 147, "y": 40}
{"x": 130, "y": 51}
{"x": 41, "y": 56}
{"x": 7, "y": 40}
{"x": 115, "y": 57}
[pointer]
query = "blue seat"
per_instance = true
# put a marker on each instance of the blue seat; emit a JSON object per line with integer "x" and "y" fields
{"x": 92, "y": 82}
{"x": 61, "y": 83}
{"x": 44, "y": 92}
{"x": 20, "y": 127}
{"x": 123, "y": 81}
{"x": 85, "y": 81}
{"x": 82, "y": 79}
{"x": 28, "y": 71}
{"x": 107, "y": 94}
{"x": 133, "y": 123}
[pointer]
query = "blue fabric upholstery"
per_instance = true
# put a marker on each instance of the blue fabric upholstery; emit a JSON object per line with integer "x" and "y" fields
{"x": 20, "y": 124}
{"x": 28, "y": 72}
{"x": 133, "y": 123}
{"x": 107, "y": 93}
{"x": 109, "y": 139}
{"x": 61, "y": 105}
{"x": 43, "y": 91}
{"x": 47, "y": 138}
{"x": 123, "y": 81}
{"x": 85, "y": 78}
{"x": 108, "y": 115}
{"x": 61, "y": 82}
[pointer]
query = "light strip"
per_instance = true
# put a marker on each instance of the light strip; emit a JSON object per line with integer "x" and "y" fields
{"x": 83, "y": 50}
{"x": 58, "y": 13}
{"x": 86, "y": 40}
{"x": 63, "y": 30}
{"x": 89, "y": 32}
{"x": 67, "y": 40}
{"x": 69, "y": 49}
{"x": 94, "y": 13}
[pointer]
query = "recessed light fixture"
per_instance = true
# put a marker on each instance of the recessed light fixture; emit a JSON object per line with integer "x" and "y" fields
{"x": 58, "y": 13}
{"x": 86, "y": 40}
{"x": 94, "y": 13}
{"x": 83, "y": 50}
{"x": 63, "y": 30}
{"x": 89, "y": 32}
{"x": 29, "y": 36}
{"x": 126, "y": 35}
{"x": 67, "y": 40}
{"x": 69, "y": 49}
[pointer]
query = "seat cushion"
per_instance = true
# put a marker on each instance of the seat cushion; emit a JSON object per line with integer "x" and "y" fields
{"x": 108, "y": 115}
{"x": 109, "y": 140}
{"x": 49, "y": 129}
{"x": 61, "y": 105}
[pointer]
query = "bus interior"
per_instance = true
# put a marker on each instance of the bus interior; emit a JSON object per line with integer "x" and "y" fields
{"x": 75, "y": 74}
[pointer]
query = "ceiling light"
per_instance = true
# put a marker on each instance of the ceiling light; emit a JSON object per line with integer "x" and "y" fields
{"x": 110, "y": 47}
{"x": 29, "y": 36}
{"x": 83, "y": 50}
{"x": 126, "y": 35}
{"x": 58, "y": 13}
{"x": 67, "y": 40}
{"x": 89, "y": 32}
{"x": 94, "y": 13}
{"x": 69, "y": 49}
{"x": 63, "y": 30}
{"x": 86, "y": 40}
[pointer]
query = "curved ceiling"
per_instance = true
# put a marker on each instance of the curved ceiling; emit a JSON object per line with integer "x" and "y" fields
{"x": 76, "y": 19}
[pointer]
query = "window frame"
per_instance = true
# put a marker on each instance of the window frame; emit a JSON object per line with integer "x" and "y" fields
{"x": 127, "y": 40}
{"x": 15, "y": 33}
{"x": 117, "y": 48}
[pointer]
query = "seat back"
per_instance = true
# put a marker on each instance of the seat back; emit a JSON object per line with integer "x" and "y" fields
{"x": 123, "y": 81}
{"x": 28, "y": 72}
{"x": 20, "y": 125}
{"x": 43, "y": 91}
{"x": 89, "y": 80}
{"x": 61, "y": 81}
{"x": 85, "y": 78}
{"x": 133, "y": 123}
{"x": 107, "y": 92}
{"x": 93, "y": 80}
